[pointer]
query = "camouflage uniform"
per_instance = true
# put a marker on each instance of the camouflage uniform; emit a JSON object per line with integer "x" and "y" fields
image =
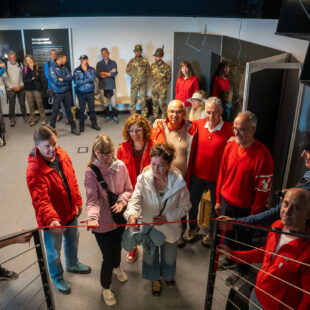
{"x": 138, "y": 68}
{"x": 161, "y": 76}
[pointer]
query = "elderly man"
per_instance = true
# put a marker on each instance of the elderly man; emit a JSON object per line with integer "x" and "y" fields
{"x": 181, "y": 134}
{"x": 284, "y": 257}
{"x": 60, "y": 77}
{"x": 212, "y": 133}
{"x": 13, "y": 80}
{"x": 106, "y": 71}
{"x": 57, "y": 202}
{"x": 244, "y": 180}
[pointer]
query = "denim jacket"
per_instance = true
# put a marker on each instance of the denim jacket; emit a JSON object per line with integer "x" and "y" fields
{"x": 55, "y": 72}
{"x": 84, "y": 80}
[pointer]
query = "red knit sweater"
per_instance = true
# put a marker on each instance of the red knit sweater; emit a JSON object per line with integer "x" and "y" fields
{"x": 210, "y": 148}
{"x": 219, "y": 85}
{"x": 245, "y": 180}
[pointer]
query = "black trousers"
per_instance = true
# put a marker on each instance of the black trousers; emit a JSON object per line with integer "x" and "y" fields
{"x": 110, "y": 246}
{"x": 239, "y": 234}
{"x": 58, "y": 99}
{"x": 89, "y": 99}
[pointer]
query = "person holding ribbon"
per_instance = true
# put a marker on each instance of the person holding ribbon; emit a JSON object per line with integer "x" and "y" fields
{"x": 160, "y": 196}
{"x": 102, "y": 212}
{"x": 135, "y": 153}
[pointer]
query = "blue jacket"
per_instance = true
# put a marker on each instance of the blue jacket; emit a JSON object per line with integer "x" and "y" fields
{"x": 46, "y": 69}
{"x": 2, "y": 70}
{"x": 268, "y": 217}
{"x": 54, "y": 73}
{"x": 84, "y": 80}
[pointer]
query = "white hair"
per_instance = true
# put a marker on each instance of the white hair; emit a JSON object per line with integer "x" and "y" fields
{"x": 176, "y": 101}
{"x": 215, "y": 101}
{"x": 249, "y": 116}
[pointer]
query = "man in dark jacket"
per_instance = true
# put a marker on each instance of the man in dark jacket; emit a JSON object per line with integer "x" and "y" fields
{"x": 57, "y": 202}
{"x": 84, "y": 77}
{"x": 60, "y": 77}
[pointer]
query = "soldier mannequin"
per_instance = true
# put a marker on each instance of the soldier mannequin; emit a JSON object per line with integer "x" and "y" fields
{"x": 138, "y": 68}
{"x": 161, "y": 76}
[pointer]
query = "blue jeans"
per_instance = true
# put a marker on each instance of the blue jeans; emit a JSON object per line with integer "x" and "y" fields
{"x": 161, "y": 264}
{"x": 254, "y": 299}
{"x": 53, "y": 246}
{"x": 196, "y": 189}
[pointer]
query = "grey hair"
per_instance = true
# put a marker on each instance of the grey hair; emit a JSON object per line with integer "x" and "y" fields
{"x": 178, "y": 101}
{"x": 11, "y": 53}
{"x": 214, "y": 101}
{"x": 250, "y": 116}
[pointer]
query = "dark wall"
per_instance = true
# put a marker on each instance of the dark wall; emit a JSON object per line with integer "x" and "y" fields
{"x": 11, "y": 40}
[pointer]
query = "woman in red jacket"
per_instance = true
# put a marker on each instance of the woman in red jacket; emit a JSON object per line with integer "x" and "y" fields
{"x": 186, "y": 85}
{"x": 135, "y": 152}
{"x": 220, "y": 81}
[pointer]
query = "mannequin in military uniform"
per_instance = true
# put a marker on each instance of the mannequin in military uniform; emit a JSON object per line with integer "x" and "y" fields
{"x": 161, "y": 76}
{"x": 138, "y": 68}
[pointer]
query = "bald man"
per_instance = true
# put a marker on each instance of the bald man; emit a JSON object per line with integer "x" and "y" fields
{"x": 295, "y": 216}
{"x": 181, "y": 134}
{"x": 244, "y": 181}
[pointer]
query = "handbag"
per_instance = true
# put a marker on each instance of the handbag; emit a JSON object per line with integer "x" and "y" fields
{"x": 118, "y": 218}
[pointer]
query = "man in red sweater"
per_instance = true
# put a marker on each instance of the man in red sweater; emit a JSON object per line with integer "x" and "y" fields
{"x": 244, "y": 180}
{"x": 57, "y": 202}
{"x": 212, "y": 136}
{"x": 283, "y": 256}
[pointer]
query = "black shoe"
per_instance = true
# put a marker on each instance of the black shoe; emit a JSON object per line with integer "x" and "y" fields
{"x": 7, "y": 275}
{"x": 82, "y": 126}
{"x": 170, "y": 283}
{"x": 75, "y": 132}
{"x": 96, "y": 127}
{"x": 226, "y": 264}
{"x": 156, "y": 288}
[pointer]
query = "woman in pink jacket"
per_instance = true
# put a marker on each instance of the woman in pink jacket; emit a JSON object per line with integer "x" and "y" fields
{"x": 99, "y": 212}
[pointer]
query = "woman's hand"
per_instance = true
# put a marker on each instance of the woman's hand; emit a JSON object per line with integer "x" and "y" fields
{"x": 159, "y": 220}
{"x": 118, "y": 207}
{"x": 133, "y": 220}
{"x": 91, "y": 223}
{"x": 224, "y": 249}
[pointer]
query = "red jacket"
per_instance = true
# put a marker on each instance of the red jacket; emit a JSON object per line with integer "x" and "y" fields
{"x": 47, "y": 190}
{"x": 125, "y": 154}
{"x": 245, "y": 180}
{"x": 159, "y": 136}
{"x": 283, "y": 268}
{"x": 219, "y": 85}
{"x": 184, "y": 89}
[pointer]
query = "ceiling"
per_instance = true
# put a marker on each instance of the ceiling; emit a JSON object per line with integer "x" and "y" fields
{"x": 194, "y": 8}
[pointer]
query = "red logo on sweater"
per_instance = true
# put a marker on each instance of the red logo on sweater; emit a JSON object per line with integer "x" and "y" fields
{"x": 263, "y": 183}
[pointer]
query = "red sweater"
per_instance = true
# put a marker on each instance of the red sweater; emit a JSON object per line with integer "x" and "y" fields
{"x": 125, "y": 154}
{"x": 219, "y": 85}
{"x": 290, "y": 271}
{"x": 244, "y": 181}
{"x": 48, "y": 192}
{"x": 210, "y": 148}
{"x": 184, "y": 89}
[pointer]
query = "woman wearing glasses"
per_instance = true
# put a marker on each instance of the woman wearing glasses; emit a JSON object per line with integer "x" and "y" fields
{"x": 135, "y": 152}
{"x": 99, "y": 210}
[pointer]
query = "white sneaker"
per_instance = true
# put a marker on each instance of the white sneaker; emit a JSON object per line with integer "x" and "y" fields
{"x": 109, "y": 297}
{"x": 120, "y": 273}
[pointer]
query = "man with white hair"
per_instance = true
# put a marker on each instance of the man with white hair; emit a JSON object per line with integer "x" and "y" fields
{"x": 244, "y": 180}
{"x": 212, "y": 136}
{"x": 181, "y": 134}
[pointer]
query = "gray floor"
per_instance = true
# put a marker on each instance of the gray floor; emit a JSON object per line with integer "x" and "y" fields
{"x": 17, "y": 212}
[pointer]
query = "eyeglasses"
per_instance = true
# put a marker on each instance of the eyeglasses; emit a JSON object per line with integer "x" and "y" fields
{"x": 240, "y": 130}
{"x": 138, "y": 130}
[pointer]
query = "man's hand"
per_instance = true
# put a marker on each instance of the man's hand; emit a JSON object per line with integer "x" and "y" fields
{"x": 133, "y": 220}
{"x": 231, "y": 139}
{"x": 223, "y": 225}
{"x": 60, "y": 79}
{"x": 23, "y": 238}
{"x": 118, "y": 207}
{"x": 56, "y": 230}
{"x": 218, "y": 208}
{"x": 91, "y": 223}
{"x": 79, "y": 210}
{"x": 159, "y": 219}
{"x": 113, "y": 70}
{"x": 224, "y": 249}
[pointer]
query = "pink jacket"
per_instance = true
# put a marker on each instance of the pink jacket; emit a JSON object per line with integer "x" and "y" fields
{"x": 97, "y": 205}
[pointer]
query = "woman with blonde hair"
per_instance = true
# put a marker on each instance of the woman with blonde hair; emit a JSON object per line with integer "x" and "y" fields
{"x": 32, "y": 78}
{"x": 135, "y": 153}
{"x": 198, "y": 105}
{"x": 101, "y": 211}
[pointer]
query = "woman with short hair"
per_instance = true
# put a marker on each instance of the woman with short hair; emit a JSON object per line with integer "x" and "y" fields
{"x": 160, "y": 196}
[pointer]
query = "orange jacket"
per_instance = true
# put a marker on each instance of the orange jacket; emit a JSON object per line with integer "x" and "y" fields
{"x": 158, "y": 136}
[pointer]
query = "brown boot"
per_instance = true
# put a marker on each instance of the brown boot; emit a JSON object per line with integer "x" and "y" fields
{"x": 12, "y": 122}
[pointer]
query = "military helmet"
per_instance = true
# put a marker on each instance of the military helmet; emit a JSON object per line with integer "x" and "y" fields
{"x": 138, "y": 48}
{"x": 159, "y": 52}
